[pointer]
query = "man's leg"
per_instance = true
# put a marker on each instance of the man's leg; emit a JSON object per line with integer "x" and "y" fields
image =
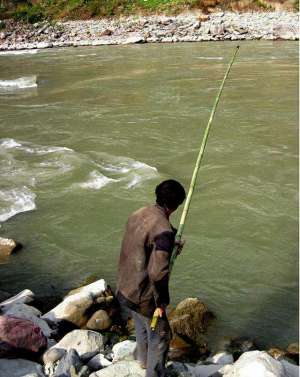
{"x": 158, "y": 346}
{"x": 141, "y": 338}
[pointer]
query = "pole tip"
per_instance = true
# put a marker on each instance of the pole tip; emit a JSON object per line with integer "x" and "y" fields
{"x": 238, "y": 46}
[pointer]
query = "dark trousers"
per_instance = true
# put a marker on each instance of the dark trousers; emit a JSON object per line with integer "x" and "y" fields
{"x": 152, "y": 346}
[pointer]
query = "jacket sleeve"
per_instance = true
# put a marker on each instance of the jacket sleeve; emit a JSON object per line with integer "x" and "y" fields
{"x": 158, "y": 267}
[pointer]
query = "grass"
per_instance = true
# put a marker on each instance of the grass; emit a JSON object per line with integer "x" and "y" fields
{"x": 38, "y": 10}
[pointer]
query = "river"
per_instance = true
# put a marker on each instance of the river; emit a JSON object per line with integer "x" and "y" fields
{"x": 89, "y": 132}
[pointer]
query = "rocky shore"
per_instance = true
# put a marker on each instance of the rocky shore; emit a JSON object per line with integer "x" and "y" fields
{"x": 88, "y": 335}
{"x": 126, "y": 30}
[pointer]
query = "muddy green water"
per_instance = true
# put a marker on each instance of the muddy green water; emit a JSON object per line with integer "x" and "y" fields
{"x": 106, "y": 124}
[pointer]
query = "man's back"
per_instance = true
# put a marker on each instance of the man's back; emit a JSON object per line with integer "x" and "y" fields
{"x": 147, "y": 229}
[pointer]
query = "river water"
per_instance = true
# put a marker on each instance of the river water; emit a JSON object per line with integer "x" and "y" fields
{"x": 87, "y": 133}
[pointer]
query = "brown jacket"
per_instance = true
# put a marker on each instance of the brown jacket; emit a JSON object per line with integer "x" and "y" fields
{"x": 143, "y": 273}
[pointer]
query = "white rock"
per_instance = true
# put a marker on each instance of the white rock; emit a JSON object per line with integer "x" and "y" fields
{"x": 206, "y": 370}
{"x": 24, "y": 297}
{"x": 98, "y": 362}
{"x": 20, "y": 368}
{"x": 134, "y": 38}
{"x": 124, "y": 350}
{"x": 222, "y": 358}
{"x": 254, "y": 363}
{"x": 86, "y": 342}
{"x": 73, "y": 306}
{"x": 291, "y": 370}
{"x": 24, "y": 311}
{"x": 121, "y": 369}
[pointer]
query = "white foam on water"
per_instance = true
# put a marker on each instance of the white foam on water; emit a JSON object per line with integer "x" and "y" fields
{"x": 9, "y": 144}
{"x": 96, "y": 181}
{"x": 136, "y": 179}
{"x": 210, "y": 57}
{"x": 19, "y": 52}
{"x": 20, "y": 83}
{"x": 30, "y": 148}
{"x": 17, "y": 200}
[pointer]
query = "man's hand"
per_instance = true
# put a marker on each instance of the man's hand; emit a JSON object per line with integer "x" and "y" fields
{"x": 160, "y": 311}
{"x": 179, "y": 246}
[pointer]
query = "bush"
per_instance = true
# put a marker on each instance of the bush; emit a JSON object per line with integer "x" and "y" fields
{"x": 28, "y": 13}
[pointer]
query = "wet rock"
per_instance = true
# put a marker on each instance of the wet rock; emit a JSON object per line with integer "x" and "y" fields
{"x": 124, "y": 350}
{"x": 190, "y": 319}
{"x": 86, "y": 342}
{"x": 70, "y": 360}
{"x": 99, "y": 321}
{"x": 179, "y": 348}
{"x": 20, "y": 367}
{"x": 20, "y": 334}
{"x": 121, "y": 369}
{"x": 254, "y": 363}
{"x": 293, "y": 352}
{"x": 74, "y": 308}
{"x": 276, "y": 353}
{"x": 30, "y": 313}
{"x": 24, "y": 297}
{"x": 98, "y": 362}
{"x": 7, "y": 245}
{"x": 238, "y": 346}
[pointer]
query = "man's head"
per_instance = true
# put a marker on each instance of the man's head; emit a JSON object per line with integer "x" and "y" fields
{"x": 170, "y": 194}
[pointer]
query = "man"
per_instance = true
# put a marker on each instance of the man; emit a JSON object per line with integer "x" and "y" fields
{"x": 143, "y": 274}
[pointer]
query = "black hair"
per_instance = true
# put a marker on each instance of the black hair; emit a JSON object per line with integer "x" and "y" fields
{"x": 170, "y": 193}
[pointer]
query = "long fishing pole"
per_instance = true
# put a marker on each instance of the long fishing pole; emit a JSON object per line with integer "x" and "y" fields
{"x": 193, "y": 180}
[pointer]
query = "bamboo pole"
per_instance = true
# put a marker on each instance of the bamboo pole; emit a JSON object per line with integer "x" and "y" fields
{"x": 194, "y": 178}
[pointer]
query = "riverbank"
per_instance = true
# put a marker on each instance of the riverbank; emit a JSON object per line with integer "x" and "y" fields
{"x": 87, "y": 334}
{"x": 220, "y": 26}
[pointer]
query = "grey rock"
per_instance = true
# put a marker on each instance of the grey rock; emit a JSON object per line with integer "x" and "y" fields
{"x": 121, "y": 369}
{"x": 70, "y": 360}
{"x": 20, "y": 368}
{"x": 86, "y": 342}
{"x": 98, "y": 362}
{"x": 24, "y": 297}
{"x": 124, "y": 350}
{"x": 53, "y": 354}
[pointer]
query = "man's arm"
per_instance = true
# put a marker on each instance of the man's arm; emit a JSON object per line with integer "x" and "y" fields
{"x": 158, "y": 267}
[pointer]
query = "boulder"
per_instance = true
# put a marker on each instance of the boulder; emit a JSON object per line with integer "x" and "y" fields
{"x": 293, "y": 352}
{"x": 98, "y": 362}
{"x": 53, "y": 354}
{"x": 87, "y": 343}
{"x": 179, "y": 348}
{"x": 254, "y": 363}
{"x": 20, "y": 368}
{"x": 24, "y": 311}
{"x": 190, "y": 319}
{"x": 8, "y": 246}
{"x": 121, "y": 369}
{"x": 276, "y": 353}
{"x": 24, "y": 297}
{"x": 21, "y": 334}
{"x": 124, "y": 350}
{"x": 207, "y": 370}
{"x": 238, "y": 346}
{"x": 290, "y": 369}
{"x": 74, "y": 307}
{"x": 285, "y": 31}
{"x": 70, "y": 360}
{"x": 99, "y": 321}
{"x": 221, "y": 358}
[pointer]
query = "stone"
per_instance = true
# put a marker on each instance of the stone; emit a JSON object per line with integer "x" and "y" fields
{"x": 285, "y": 31}
{"x": 124, "y": 350}
{"x": 98, "y": 362}
{"x": 24, "y": 311}
{"x": 21, "y": 334}
{"x": 7, "y": 245}
{"x": 121, "y": 369}
{"x": 207, "y": 370}
{"x": 176, "y": 369}
{"x": 238, "y": 346}
{"x": 276, "y": 353}
{"x": 190, "y": 319}
{"x": 293, "y": 352}
{"x": 24, "y": 297}
{"x": 179, "y": 348}
{"x": 69, "y": 360}
{"x": 221, "y": 358}
{"x": 20, "y": 368}
{"x": 134, "y": 38}
{"x": 290, "y": 369}
{"x": 53, "y": 354}
{"x": 99, "y": 321}
{"x": 73, "y": 308}
{"x": 254, "y": 363}
{"x": 86, "y": 342}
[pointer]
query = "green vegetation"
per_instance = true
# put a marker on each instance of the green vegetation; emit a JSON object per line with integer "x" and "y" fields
{"x": 38, "y": 10}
